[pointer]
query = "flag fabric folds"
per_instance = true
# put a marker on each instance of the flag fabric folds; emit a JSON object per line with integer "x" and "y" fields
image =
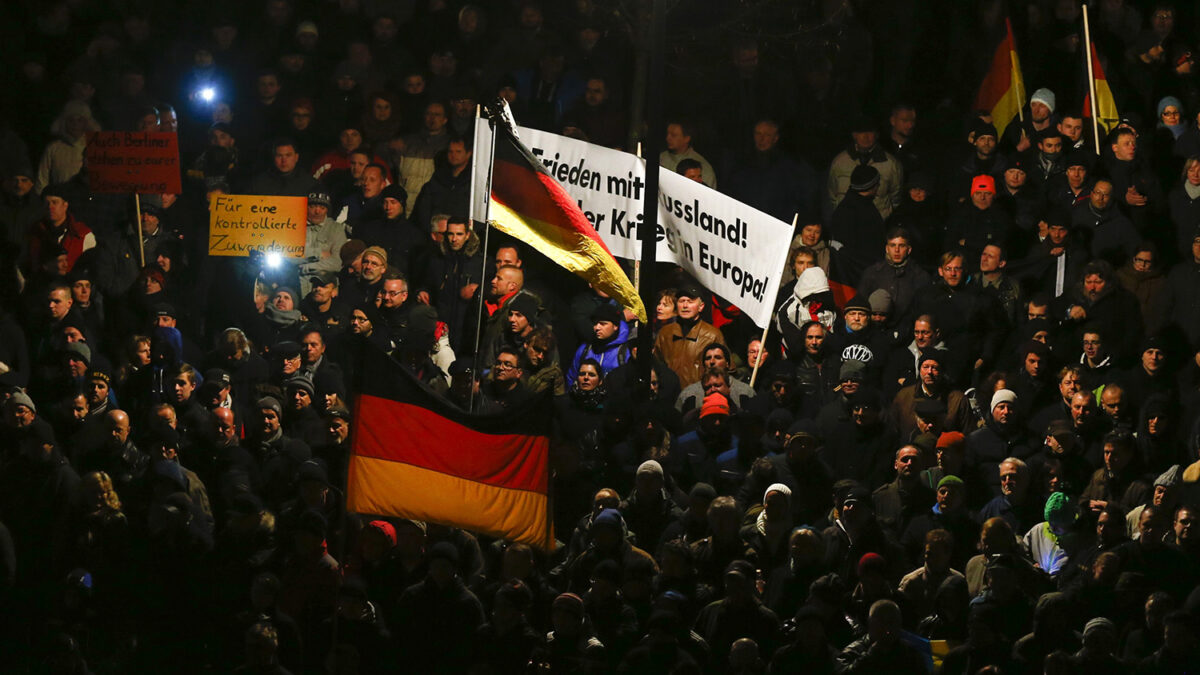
{"x": 416, "y": 455}
{"x": 529, "y": 204}
{"x": 1106, "y": 107}
{"x": 1003, "y": 90}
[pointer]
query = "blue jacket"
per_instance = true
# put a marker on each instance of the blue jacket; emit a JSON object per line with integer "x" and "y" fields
{"x": 610, "y": 355}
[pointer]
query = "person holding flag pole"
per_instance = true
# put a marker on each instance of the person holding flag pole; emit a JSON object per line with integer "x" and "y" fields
{"x": 494, "y": 120}
{"x": 523, "y": 200}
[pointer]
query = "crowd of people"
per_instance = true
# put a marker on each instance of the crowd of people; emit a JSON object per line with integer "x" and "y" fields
{"x": 971, "y": 436}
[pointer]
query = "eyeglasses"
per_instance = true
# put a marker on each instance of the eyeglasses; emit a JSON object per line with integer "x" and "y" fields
{"x": 1143, "y": 261}
{"x": 392, "y": 294}
{"x": 504, "y": 365}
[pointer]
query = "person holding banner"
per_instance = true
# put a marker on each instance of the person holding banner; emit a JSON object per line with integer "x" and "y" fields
{"x": 323, "y": 239}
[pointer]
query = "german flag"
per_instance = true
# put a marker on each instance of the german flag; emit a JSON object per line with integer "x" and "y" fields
{"x": 1003, "y": 90}
{"x": 528, "y": 203}
{"x": 1105, "y": 110}
{"x": 415, "y": 455}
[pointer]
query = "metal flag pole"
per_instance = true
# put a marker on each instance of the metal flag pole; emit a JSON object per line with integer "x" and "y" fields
{"x": 487, "y": 230}
{"x": 648, "y": 229}
{"x": 637, "y": 264}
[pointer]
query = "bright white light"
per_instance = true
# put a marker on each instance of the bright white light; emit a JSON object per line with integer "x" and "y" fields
{"x": 207, "y": 94}
{"x": 274, "y": 260}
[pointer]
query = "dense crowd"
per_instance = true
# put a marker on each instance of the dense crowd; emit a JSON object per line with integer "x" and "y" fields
{"x": 971, "y": 432}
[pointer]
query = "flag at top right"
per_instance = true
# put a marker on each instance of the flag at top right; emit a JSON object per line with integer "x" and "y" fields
{"x": 1105, "y": 107}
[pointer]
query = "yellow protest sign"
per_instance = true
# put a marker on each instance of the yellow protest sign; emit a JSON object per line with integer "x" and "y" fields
{"x": 239, "y": 224}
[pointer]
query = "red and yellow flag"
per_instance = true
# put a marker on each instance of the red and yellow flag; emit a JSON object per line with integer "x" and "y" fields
{"x": 1106, "y": 106}
{"x": 528, "y": 203}
{"x": 415, "y": 455}
{"x": 1003, "y": 90}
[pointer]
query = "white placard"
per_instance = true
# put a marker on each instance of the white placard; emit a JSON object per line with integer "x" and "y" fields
{"x": 735, "y": 251}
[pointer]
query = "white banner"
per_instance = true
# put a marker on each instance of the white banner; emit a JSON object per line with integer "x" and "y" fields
{"x": 735, "y": 251}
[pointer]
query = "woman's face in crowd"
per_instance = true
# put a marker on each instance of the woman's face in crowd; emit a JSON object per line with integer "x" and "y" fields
{"x": 811, "y": 235}
{"x": 1193, "y": 173}
{"x": 588, "y": 378}
{"x": 666, "y": 308}
{"x": 143, "y": 354}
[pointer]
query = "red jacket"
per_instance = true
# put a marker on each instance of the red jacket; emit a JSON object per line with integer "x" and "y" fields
{"x": 74, "y": 237}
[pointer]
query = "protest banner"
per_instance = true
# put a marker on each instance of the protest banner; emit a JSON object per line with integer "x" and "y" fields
{"x": 732, "y": 249}
{"x": 239, "y": 224}
{"x": 133, "y": 162}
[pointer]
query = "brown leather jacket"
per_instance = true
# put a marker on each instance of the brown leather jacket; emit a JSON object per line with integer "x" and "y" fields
{"x": 684, "y": 354}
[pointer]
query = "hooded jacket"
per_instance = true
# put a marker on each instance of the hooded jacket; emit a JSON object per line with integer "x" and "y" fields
{"x": 608, "y": 353}
{"x": 811, "y": 300}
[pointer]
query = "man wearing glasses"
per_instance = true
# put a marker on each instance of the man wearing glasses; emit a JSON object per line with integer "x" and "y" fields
{"x": 1113, "y": 236}
{"x": 1143, "y": 277}
{"x": 502, "y": 389}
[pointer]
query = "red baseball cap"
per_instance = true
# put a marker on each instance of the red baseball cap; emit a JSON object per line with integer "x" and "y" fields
{"x": 983, "y": 184}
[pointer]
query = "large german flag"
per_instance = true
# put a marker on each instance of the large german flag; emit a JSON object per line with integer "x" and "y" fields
{"x": 416, "y": 455}
{"x": 1003, "y": 90}
{"x": 528, "y": 203}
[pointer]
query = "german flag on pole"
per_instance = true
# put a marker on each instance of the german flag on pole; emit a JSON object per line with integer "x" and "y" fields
{"x": 1106, "y": 107}
{"x": 1003, "y": 90}
{"x": 528, "y": 203}
{"x": 415, "y": 455}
